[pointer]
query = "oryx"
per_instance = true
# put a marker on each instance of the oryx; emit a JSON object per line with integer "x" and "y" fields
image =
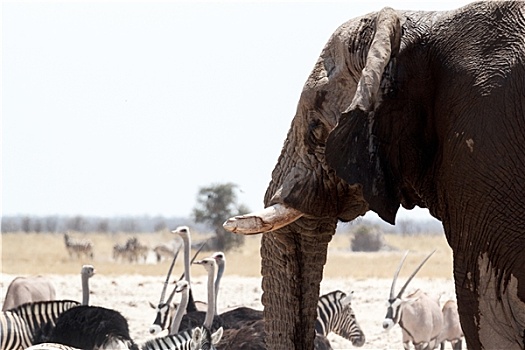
{"x": 451, "y": 331}
{"x": 418, "y": 315}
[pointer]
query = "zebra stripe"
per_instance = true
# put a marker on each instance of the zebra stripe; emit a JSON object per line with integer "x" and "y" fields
{"x": 40, "y": 313}
{"x": 14, "y": 332}
{"x": 335, "y": 314}
{"x": 51, "y": 346}
{"x": 78, "y": 247}
{"x": 196, "y": 338}
{"x": 19, "y": 325}
{"x": 179, "y": 341}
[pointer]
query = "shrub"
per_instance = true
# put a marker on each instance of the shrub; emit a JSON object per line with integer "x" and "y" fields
{"x": 367, "y": 239}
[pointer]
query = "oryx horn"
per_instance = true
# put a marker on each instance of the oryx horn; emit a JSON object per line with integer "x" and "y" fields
{"x": 179, "y": 287}
{"x": 163, "y": 294}
{"x": 393, "y": 287}
{"x": 402, "y": 290}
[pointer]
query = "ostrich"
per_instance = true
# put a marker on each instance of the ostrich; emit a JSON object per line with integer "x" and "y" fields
{"x": 184, "y": 233}
{"x": 90, "y": 327}
{"x": 164, "y": 310}
{"x": 86, "y": 273}
{"x": 199, "y": 337}
{"x": 237, "y": 317}
{"x": 251, "y": 336}
{"x": 28, "y": 289}
{"x": 184, "y": 288}
{"x": 230, "y": 319}
{"x": 192, "y": 319}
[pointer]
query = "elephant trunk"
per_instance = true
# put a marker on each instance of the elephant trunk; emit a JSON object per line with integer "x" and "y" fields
{"x": 293, "y": 258}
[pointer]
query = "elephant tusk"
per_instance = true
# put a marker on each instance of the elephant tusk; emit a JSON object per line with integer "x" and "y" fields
{"x": 266, "y": 220}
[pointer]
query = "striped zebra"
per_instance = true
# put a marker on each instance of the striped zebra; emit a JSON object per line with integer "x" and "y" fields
{"x": 78, "y": 248}
{"x": 51, "y": 346}
{"x": 20, "y": 325}
{"x": 120, "y": 251}
{"x": 335, "y": 314}
{"x": 14, "y": 332}
{"x": 199, "y": 338}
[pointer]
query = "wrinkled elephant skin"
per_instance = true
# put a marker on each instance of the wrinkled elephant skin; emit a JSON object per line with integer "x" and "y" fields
{"x": 408, "y": 108}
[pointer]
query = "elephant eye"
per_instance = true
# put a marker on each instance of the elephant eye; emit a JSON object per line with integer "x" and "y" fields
{"x": 317, "y": 134}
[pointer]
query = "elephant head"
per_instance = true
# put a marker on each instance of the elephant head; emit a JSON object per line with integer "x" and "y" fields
{"x": 406, "y": 108}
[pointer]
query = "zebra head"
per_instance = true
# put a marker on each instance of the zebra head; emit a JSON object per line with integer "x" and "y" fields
{"x": 335, "y": 314}
{"x": 203, "y": 339}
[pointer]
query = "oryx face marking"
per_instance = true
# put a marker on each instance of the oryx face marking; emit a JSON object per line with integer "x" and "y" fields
{"x": 161, "y": 319}
{"x": 392, "y": 313}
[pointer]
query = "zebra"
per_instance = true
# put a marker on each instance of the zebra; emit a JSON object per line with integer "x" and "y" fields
{"x": 20, "y": 326}
{"x": 51, "y": 346}
{"x": 199, "y": 338}
{"x": 14, "y": 332}
{"x": 78, "y": 248}
{"x": 335, "y": 314}
{"x": 119, "y": 251}
{"x": 132, "y": 250}
{"x": 136, "y": 250}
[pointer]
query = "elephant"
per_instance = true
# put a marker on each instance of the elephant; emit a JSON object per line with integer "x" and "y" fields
{"x": 415, "y": 109}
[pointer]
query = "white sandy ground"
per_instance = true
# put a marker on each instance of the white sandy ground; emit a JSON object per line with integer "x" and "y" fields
{"x": 130, "y": 295}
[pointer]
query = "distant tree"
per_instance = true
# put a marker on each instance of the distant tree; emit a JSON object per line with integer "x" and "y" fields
{"x": 76, "y": 223}
{"x": 367, "y": 239}
{"x": 103, "y": 225}
{"x": 128, "y": 224}
{"x": 51, "y": 223}
{"x": 10, "y": 224}
{"x": 215, "y": 204}
{"x": 159, "y": 225}
{"x": 26, "y": 224}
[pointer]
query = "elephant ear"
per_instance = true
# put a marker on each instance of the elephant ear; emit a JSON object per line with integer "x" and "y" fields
{"x": 352, "y": 149}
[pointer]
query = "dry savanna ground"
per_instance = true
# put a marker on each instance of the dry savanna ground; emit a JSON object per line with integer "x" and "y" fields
{"x": 128, "y": 287}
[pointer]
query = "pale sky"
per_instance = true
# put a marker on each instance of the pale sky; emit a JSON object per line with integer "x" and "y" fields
{"x": 128, "y": 108}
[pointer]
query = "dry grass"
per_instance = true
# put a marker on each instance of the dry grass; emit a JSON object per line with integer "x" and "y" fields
{"x": 46, "y": 254}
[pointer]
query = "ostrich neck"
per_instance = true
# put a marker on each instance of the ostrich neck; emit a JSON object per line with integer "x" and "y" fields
{"x": 187, "y": 247}
{"x": 208, "y": 321}
{"x": 180, "y": 312}
{"x": 220, "y": 271}
{"x": 85, "y": 289}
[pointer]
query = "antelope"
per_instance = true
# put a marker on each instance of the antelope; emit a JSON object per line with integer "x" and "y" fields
{"x": 23, "y": 290}
{"x": 451, "y": 331}
{"x": 418, "y": 315}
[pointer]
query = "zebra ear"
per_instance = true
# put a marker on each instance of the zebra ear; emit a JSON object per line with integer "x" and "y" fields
{"x": 348, "y": 299}
{"x": 196, "y": 336}
{"x": 216, "y": 337}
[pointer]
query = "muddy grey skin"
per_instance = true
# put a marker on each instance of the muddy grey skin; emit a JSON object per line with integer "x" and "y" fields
{"x": 406, "y": 108}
